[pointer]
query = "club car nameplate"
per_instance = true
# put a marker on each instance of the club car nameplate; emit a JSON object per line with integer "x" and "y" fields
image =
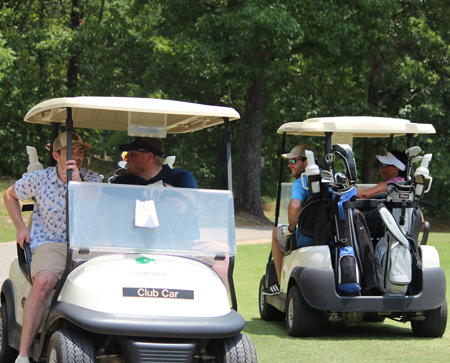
{"x": 158, "y": 293}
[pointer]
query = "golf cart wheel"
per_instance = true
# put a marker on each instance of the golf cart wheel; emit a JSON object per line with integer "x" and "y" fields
{"x": 237, "y": 349}
{"x": 7, "y": 354}
{"x": 267, "y": 311}
{"x": 302, "y": 320}
{"x": 434, "y": 324}
{"x": 67, "y": 346}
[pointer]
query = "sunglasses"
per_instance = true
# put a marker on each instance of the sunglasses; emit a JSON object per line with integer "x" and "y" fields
{"x": 386, "y": 165}
{"x": 293, "y": 161}
{"x": 133, "y": 152}
{"x": 128, "y": 154}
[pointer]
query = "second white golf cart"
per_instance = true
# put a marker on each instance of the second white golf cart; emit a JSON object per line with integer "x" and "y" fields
{"x": 348, "y": 274}
{"x": 149, "y": 273}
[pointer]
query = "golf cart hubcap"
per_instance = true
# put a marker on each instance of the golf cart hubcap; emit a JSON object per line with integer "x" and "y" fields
{"x": 53, "y": 357}
{"x": 291, "y": 312}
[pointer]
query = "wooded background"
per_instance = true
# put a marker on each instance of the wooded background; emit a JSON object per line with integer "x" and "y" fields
{"x": 273, "y": 61}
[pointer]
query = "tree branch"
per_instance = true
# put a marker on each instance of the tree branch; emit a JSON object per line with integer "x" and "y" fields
{"x": 422, "y": 58}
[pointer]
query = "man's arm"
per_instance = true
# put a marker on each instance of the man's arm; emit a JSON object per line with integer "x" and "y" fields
{"x": 295, "y": 205}
{"x": 369, "y": 193}
{"x": 13, "y": 206}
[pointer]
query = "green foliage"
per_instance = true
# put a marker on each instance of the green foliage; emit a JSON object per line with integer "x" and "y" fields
{"x": 317, "y": 57}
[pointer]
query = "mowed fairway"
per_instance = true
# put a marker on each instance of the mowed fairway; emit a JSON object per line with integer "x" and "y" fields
{"x": 367, "y": 342}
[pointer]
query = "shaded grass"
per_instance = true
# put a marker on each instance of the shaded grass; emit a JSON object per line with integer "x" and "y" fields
{"x": 367, "y": 342}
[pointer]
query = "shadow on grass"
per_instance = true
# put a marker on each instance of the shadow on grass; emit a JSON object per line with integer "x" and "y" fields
{"x": 389, "y": 330}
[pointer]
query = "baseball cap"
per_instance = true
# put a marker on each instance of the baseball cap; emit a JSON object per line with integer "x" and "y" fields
{"x": 299, "y": 151}
{"x": 394, "y": 157}
{"x": 151, "y": 144}
{"x": 61, "y": 142}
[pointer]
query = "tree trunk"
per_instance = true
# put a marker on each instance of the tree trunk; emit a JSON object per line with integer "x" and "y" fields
{"x": 375, "y": 98}
{"x": 369, "y": 173}
{"x": 248, "y": 191}
{"x": 72, "y": 69}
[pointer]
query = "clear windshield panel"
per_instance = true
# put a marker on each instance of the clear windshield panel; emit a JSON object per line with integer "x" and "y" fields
{"x": 285, "y": 198}
{"x": 142, "y": 219}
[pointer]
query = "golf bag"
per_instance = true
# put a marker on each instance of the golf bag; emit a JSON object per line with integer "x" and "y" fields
{"x": 344, "y": 246}
{"x": 397, "y": 258}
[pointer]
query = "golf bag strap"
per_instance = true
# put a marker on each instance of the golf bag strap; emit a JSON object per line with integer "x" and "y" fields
{"x": 415, "y": 251}
{"x": 363, "y": 203}
{"x": 425, "y": 204}
{"x": 373, "y": 203}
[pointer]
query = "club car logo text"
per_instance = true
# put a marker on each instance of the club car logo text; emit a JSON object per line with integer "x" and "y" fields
{"x": 158, "y": 293}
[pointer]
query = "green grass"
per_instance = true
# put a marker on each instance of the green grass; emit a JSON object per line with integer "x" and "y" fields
{"x": 367, "y": 342}
{"x": 7, "y": 229}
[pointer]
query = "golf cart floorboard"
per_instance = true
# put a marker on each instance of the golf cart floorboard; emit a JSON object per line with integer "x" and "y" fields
{"x": 150, "y": 326}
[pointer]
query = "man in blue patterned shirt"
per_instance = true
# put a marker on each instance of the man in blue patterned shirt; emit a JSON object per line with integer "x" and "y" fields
{"x": 47, "y": 237}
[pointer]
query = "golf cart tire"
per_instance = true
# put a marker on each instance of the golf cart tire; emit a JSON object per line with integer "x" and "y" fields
{"x": 267, "y": 311}
{"x": 7, "y": 353}
{"x": 238, "y": 349}
{"x": 67, "y": 346}
{"x": 302, "y": 320}
{"x": 434, "y": 324}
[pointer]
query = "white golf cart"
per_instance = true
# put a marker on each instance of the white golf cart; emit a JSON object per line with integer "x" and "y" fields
{"x": 348, "y": 274}
{"x": 149, "y": 273}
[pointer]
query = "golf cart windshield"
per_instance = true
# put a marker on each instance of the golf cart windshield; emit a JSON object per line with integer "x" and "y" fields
{"x": 140, "y": 219}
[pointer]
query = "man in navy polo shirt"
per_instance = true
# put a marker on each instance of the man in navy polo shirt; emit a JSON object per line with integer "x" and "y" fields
{"x": 145, "y": 165}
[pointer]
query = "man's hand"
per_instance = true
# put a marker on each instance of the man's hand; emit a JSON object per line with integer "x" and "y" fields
{"x": 23, "y": 236}
{"x": 286, "y": 231}
{"x": 71, "y": 164}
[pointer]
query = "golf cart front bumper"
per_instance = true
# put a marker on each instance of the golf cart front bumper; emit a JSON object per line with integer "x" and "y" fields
{"x": 319, "y": 290}
{"x": 150, "y": 326}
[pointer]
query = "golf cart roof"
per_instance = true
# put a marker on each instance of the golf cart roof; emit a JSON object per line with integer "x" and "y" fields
{"x": 138, "y": 116}
{"x": 356, "y": 126}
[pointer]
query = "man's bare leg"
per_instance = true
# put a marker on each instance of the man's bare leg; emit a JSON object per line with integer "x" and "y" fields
{"x": 277, "y": 254}
{"x": 33, "y": 311}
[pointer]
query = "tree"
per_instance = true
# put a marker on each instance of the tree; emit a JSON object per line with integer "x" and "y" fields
{"x": 235, "y": 48}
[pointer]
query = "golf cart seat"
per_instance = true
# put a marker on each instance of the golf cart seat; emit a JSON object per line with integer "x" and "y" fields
{"x": 314, "y": 220}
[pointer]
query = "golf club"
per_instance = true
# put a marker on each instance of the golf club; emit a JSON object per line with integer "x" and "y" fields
{"x": 410, "y": 153}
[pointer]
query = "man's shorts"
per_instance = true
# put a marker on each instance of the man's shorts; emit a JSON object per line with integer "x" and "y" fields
{"x": 50, "y": 257}
{"x": 281, "y": 240}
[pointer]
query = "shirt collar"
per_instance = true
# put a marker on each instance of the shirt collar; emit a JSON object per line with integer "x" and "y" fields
{"x": 54, "y": 179}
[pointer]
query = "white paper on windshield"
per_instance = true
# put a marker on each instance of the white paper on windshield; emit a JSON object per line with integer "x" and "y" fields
{"x": 145, "y": 215}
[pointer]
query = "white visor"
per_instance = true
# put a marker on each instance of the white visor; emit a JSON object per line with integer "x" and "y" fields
{"x": 390, "y": 159}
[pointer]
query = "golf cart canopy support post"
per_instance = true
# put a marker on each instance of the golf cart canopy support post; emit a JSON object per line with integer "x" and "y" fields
{"x": 280, "y": 174}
